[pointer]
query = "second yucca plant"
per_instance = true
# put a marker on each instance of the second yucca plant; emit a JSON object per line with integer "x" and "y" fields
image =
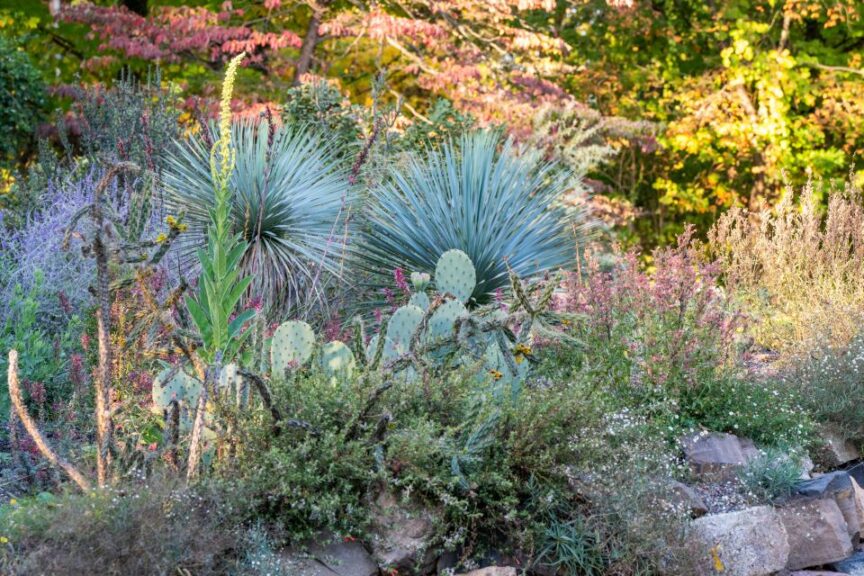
{"x": 482, "y": 195}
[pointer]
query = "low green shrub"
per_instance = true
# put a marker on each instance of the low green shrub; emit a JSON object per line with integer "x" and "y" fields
{"x": 772, "y": 475}
{"x": 152, "y": 527}
{"x": 829, "y": 380}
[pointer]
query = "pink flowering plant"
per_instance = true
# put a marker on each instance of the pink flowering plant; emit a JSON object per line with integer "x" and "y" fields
{"x": 668, "y": 343}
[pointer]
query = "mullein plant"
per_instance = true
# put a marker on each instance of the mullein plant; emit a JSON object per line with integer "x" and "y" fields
{"x": 220, "y": 285}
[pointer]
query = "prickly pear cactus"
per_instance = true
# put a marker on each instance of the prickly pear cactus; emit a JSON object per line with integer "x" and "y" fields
{"x": 228, "y": 377}
{"x": 371, "y": 347}
{"x": 400, "y": 330}
{"x": 455, "y": 274}
{"x": 181, "y": 387}
{"x": 443, "y": 320}
{"x": 337, "y": 361}
{"x": 291, "y": 346}
{"x": 420, "y": 299}
{"x": 420, "y": 281}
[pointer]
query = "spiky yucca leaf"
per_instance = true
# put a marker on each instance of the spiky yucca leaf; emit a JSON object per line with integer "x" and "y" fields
{"x": 288, "y": 204}
{"x": 481, "y": 195}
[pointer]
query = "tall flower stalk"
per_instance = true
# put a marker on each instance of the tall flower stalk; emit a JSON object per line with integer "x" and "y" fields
{"x": 220, "y": 285}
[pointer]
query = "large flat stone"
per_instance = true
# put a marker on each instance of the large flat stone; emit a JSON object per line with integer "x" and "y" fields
{"x": 838, "y": 450}
{"x": 750, "y": 542}
{"x": 717, "y": 456}
{"x": 331, "y": 558}
{"x": 816, "y": 532}
{"x": 400, "y": 534}
{"x": 825, "y": 485}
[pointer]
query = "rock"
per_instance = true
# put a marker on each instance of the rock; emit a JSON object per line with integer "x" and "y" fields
{"x": 749, "y": 542}
{"x": 685, "y": 497}
{"x": 400, "y": 534}
{"x": 853, "y": 565}
{"x": 852, "y": 507}
{"x": 857, "y": 471}
{"x": 816, "y": 531}
{"x": 825, "y": 485}
{"x": 842, "y": 487}
{"x": 333, "y": 559}
{"x": 717, "y": 456}
{"x": 493, "y": 571}
{"x": 837, "y": 449}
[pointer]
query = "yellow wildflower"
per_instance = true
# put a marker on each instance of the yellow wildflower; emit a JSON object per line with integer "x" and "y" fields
{"x": 523, "y": 349}
{"x": 162, "y": 237}
{"x": 496, "y": 374}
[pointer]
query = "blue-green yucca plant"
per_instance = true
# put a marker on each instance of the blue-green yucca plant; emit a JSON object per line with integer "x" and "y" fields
{"x": 479, "y": 194}
{"x": 288, "y": 203}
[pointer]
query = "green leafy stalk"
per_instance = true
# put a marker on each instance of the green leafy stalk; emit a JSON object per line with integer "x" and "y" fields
{"x": 220, "y": 285}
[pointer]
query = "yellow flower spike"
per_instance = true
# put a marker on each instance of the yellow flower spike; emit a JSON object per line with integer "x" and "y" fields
{"x": 13, "y": 502}
{"x": 4, "y": 540}
{"x": 519, "y": 358}
{"x": 496, "y": 374}
{"x": 222, "y": 148}
{"x": 162, "y": 237}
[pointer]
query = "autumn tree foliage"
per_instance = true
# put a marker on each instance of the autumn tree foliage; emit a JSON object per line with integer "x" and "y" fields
{"x": 489, "y": 58}
{"x": 748, "y": 94}
{"x": 699, "y": 106}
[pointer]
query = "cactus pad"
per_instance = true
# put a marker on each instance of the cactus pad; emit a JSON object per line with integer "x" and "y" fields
{"x": 420, "y": 299}
{"x": 181, "y": 387}
{"x": 455, "y": 274}
{"x": 291, "y": 346}
{"x": 228, "y": 377}
{"x": 370, "y": 348}
{"x": 443, "y": 320}
{"x": 337, "y": 360}
{"x": 400, "y": 330}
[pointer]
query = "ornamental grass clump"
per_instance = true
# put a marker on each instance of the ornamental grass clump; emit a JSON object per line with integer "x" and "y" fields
{"x": 797, "y": 270}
